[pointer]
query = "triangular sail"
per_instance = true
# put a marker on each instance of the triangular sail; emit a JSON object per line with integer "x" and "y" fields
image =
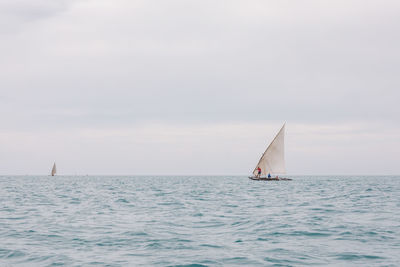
{"x": 54, "y": 170}
{"x": 273, "y": 159}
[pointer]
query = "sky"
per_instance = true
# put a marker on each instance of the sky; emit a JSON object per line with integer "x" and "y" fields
{"x": 198, "y": 87}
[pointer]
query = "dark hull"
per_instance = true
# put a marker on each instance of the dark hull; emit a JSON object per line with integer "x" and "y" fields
{"x": 270, "y": 179}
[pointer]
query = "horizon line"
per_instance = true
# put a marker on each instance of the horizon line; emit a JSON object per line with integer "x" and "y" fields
{"x": 341, "y": 174}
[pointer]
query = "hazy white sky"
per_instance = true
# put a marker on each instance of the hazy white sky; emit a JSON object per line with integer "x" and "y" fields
{"x": 198, "y": 87}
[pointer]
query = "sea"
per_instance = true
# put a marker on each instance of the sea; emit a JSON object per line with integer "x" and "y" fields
{"x": 199, "y": 221}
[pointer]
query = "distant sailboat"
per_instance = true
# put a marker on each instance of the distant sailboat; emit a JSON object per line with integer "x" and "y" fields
{"x": 272, "y": 162}
{"x": 54, "y": 170}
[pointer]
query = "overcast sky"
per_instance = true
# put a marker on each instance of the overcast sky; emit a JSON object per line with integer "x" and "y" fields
{"x": 198, "y": 87}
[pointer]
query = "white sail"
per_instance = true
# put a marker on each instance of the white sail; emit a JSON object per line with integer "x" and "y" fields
{"x": 54, "y": 170}
{"x": 273, "y": 159}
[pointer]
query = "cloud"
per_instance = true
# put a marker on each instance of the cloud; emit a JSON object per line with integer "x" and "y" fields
{"x": 18, "y": 14}
{"x": 121, "y": 64}
{"x": 203, "y": 149}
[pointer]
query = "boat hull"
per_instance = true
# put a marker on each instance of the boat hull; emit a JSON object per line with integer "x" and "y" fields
{"x": 269, "y": 179}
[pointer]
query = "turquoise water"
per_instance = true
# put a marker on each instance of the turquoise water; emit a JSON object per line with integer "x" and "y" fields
{"x": 199, "y": 221}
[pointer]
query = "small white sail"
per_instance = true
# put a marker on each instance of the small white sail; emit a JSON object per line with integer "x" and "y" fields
{"x": 54, "y": 170}
{"x": 273, "y": 159}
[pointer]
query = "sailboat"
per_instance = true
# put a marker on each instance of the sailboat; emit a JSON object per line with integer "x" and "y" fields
{"x": 54, "y": 169}
{"x": 272, "y": 161}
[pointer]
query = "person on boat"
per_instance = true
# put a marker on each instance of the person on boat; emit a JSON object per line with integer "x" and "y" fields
{"x": 269, "y": 175}
{"x": 258, "y": 172}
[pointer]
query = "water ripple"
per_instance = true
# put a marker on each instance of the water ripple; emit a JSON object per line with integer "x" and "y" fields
{"x": 199, "y": 221}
